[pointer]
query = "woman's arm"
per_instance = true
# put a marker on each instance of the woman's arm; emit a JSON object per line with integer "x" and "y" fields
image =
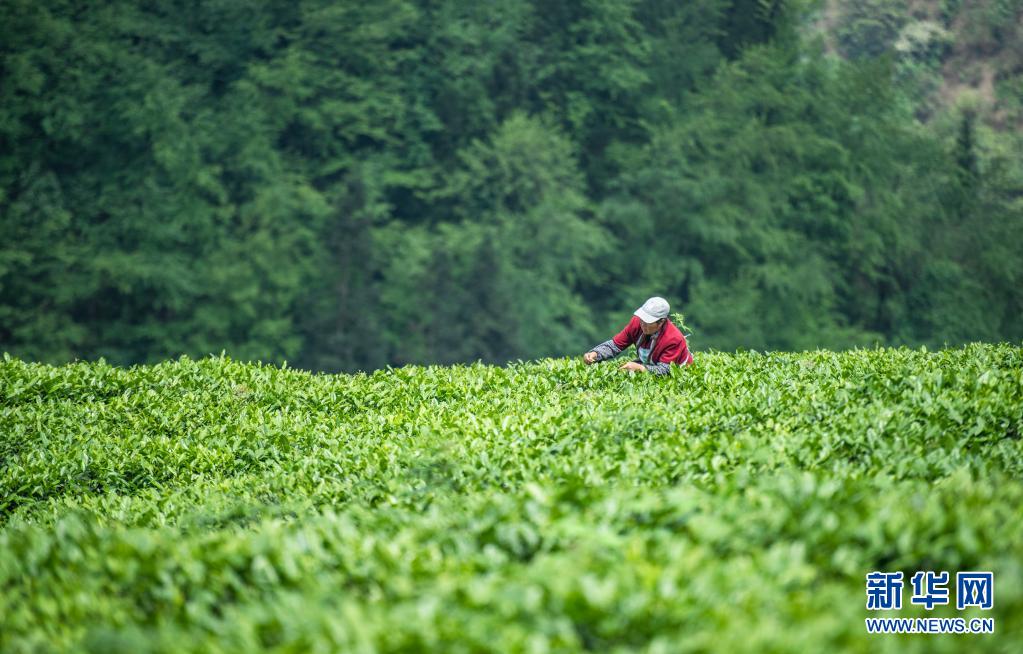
{"x": 662, "y": 368}
{"x": 607, "y": 350}
{"x": 611, "y": 348}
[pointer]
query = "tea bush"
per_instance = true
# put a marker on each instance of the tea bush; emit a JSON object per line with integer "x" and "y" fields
{"x": 736, "y": 505}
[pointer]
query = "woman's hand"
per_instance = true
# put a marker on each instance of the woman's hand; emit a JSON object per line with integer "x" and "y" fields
{"x": 632, "y": 366}
{"x": 590, "y": 357}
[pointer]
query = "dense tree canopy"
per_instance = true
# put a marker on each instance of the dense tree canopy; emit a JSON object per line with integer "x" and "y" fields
{"x": 352, "y": 185}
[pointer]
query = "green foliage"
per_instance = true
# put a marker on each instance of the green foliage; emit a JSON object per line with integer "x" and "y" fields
{"x": 945, "y": 52}
{"x": 184, "y": 230}
{"x": 753, "y": 22}
{"x": 769, "y": 211}
{"x": 200, "y": 505}
{"x": 500, "y": 278}
{"x": 870, "y": 27}
{"x": 754, "y": 203}
{"x": 680, "y": 322}
{"x": 351, "y": 185}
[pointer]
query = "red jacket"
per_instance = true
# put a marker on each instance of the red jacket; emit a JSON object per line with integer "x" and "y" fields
{"x": 671, "y": 346}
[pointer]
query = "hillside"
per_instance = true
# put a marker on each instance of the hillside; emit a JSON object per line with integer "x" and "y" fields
{"x": 214, "y": 505}
{"x": 949, "y": 54}
{"x": 283, "y": 181}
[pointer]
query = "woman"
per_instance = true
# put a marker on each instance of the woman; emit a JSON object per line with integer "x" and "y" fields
{"x": 658, "y": 342}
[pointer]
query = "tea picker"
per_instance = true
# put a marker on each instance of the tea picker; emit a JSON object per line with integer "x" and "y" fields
{"x": 659, "y": 343}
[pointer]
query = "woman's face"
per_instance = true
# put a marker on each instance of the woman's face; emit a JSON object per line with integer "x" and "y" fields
{"x": 650, "y": 327}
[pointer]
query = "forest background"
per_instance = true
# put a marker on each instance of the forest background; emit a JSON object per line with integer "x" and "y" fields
{"x": 350, "y": 185}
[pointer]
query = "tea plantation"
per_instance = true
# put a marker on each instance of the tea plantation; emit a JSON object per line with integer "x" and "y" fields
{"x": 737, "y": 505}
